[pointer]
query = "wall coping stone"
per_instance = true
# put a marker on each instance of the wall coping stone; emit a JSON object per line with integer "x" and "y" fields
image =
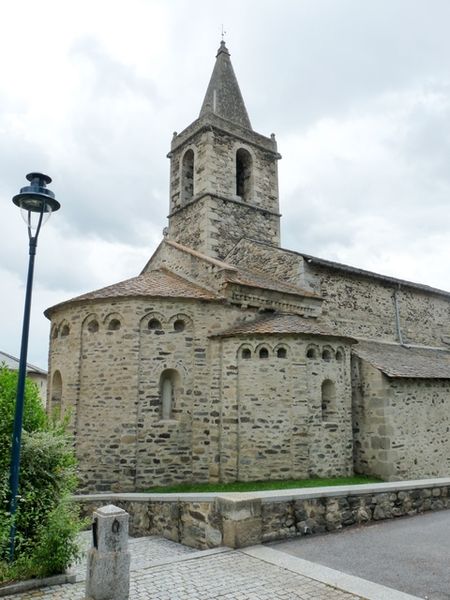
{"x": 271, "y": 495}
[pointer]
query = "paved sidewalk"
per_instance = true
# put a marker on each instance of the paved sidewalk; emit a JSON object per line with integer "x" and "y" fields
{"x": 164, "y": 570}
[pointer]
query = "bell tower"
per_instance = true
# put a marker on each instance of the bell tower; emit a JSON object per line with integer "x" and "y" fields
{"x": 223, "y": 175}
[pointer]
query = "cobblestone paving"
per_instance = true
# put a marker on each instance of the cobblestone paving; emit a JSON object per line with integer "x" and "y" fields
{"x": 228, "y": 576}
{"x": 144, "y": 551}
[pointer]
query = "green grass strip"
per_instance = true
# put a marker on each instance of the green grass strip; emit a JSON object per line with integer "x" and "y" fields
{"x": 255, "y": 486}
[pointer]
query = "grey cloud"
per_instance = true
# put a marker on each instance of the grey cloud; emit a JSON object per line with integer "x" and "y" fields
{"x": 335, "y": 55}
{"x": 111, "y": 76}
{"x": 427, "y": 141}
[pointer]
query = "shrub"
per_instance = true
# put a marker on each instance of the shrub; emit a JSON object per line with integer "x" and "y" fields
{"x": 46, "y": 520}
{"x": 34, "y": 415}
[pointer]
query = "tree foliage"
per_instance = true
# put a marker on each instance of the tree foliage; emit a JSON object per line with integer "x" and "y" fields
{"x": 46, "y": 520}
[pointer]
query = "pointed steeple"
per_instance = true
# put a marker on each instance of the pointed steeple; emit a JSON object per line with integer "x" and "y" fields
{"x": 223, "y": 96}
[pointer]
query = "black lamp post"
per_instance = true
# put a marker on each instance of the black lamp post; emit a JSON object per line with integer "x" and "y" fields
{"x": 36, "y": 202}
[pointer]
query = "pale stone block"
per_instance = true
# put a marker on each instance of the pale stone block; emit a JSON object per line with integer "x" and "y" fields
{"x": 108, "y": 564}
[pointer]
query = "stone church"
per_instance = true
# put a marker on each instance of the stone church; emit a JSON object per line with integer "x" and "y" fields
{"x": 231, "y": 358}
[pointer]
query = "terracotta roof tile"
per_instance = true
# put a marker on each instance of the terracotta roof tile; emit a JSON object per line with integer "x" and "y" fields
{"x": 261, "y": 280}
{"x": 282, "y": 324}
{"x": 402, "y": 361}
{"x": 153, "y": 284}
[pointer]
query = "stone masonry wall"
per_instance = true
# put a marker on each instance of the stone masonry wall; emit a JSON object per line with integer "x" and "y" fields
{"x": 401, "y": 426}
{"x": 190, "y": 225}
{"x": 232, "y": 417}
{"x": 215, "y": 167}
{"x": 275, "y": 262}
{"x": 365, "y": 308}
{"x": 188, "y": 265}
{"x": 229, "y": 221}
{"x": 111, "y": 386}
{"x": 273, "y": 424}
{"x": 238, "y": 520}
{"x": 215, "y": 218}
{"x": 213, "y": 225}
{"x": 372, "y": 435}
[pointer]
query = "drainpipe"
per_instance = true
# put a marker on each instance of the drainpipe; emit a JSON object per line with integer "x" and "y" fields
{"x": 397, "y": 315}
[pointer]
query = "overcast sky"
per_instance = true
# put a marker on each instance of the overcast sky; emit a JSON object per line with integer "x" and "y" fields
{"x": 357, "y": 92}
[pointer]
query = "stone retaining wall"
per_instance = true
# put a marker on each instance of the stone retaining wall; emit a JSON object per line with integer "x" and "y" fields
{"x": 244, "y": 519}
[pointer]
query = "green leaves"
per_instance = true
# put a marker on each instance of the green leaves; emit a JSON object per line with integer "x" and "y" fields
{"x": 47, "y": 522}
{"x": 34, "y": 415}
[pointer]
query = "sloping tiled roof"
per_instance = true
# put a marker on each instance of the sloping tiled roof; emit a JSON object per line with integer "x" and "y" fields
{"x": 160, "y": 283}
{"x": 13, "y": 364}
{"x": 401, "y": 361}
{"x": 263, "y": 281}
{"x": 282, "y": 324}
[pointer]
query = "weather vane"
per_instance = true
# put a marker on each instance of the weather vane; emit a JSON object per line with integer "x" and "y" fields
{"x": 223, "y": 33}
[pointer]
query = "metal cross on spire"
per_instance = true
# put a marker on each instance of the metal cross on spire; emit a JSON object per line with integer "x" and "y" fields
{"x": 223, "y": 33}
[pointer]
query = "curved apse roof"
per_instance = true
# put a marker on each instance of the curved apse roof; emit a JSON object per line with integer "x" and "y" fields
{"x": 156, "y": 284}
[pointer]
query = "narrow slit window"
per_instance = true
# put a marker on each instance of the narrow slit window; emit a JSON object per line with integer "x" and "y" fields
{"x": 328, "y": 400}
{"x": 187, "y": 176}
{"x": 56, "y": 394}
{"x": 168, "y": 386}
{"x": 243, "y": 174}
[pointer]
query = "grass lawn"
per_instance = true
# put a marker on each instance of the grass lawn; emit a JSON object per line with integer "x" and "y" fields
{"x": 252, "y": 486}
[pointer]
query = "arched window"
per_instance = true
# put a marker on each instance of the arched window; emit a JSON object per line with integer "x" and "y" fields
{"x": 114, "y": 325}
{"x": 187, "y": 176}
{"x": 65, "y": 330}
{"x": 243, "y": 174}
{"x": 326, "y": 355}
{"x": 154, "y": 325}
{"x": 328, "y": 400}
{"x": 263, "y": 353}
{"x": 167, "y": 389}
{"x": 54, "y": 333}
{"x": 311, "y": 353}
{"x": 339, "y": 355}
{"x": 93, "y": 326}
{"x": 246, "y": 353}
{"x": 56, "y": 393}
{"x": 282, "y": 353}
{"x": 179, "y": 325}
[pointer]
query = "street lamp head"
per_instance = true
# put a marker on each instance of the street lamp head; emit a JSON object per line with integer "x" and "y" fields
{"x": 36, "y": 197}
{"x": 36, "y": 202}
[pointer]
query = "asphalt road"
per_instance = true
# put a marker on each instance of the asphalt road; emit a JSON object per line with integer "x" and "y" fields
{"x": 410, "y": 554}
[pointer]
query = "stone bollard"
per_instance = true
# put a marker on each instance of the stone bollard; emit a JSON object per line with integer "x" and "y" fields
{"x": 108, "y": 564}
